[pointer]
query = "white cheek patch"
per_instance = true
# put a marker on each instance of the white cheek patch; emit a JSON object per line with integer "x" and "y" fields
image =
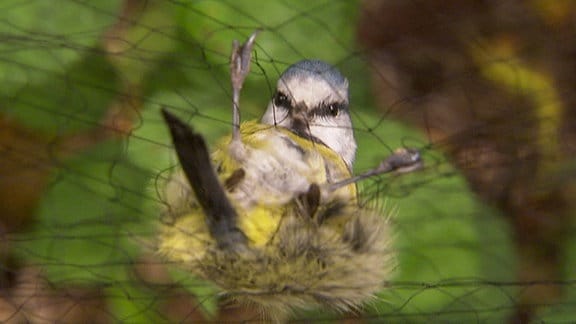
{"x": 339, "y": 139}
{"x": 276, "y": 116}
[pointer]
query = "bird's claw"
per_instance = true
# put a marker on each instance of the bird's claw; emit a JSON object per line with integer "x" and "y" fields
{"x": 240, "y": 60}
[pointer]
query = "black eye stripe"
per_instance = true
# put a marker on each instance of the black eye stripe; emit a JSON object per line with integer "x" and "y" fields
{"x": 325, "y": 109}
{"x": 329, "y": 109}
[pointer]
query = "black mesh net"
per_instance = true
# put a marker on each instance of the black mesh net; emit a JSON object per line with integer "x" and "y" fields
{"x": 484, "y": 89}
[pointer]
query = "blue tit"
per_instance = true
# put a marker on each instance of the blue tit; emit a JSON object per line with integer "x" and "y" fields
{"x": 311, "y": 141}
{"x": 271, "y": 216}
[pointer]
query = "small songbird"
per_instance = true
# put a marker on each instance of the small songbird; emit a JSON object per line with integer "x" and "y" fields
{"x": 271, "y": 216}
{"x": 312, "y": 141}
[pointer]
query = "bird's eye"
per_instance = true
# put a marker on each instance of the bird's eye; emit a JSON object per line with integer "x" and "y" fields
{"x": 281, "y": 100}
{"x": 333, "y": 109}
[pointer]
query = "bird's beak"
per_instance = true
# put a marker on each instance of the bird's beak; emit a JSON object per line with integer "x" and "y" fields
{"x": 298, "y": 115}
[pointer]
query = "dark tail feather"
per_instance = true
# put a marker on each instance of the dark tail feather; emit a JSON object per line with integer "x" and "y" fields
{"x": 195, "y": 161}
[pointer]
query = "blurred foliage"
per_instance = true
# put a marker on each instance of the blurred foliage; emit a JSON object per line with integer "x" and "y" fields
{"x": 64, "y": 64}
{"x": 492, "y": 83}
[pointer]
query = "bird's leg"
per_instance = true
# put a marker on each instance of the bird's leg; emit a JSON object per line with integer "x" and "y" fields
{"x": 239, "y": 69}
{"x": 402, "y": 160}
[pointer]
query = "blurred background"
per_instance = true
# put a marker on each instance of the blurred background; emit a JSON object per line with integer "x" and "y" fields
{"x": 486, "y": 89}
